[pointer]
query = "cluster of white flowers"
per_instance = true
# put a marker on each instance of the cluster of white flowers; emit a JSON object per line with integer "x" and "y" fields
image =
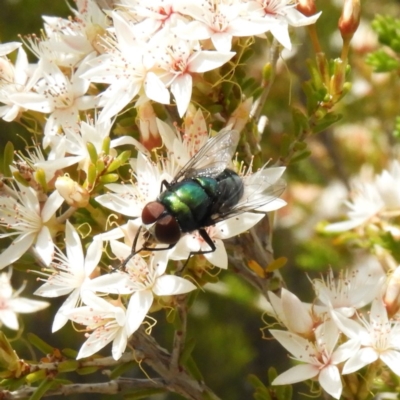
{"x": 374, "y": 201}
{"x": 143, "y": 52}
{"x": 332, "y": 337}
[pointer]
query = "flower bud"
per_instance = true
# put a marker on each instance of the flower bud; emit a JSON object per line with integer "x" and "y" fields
{"x": 350, "y": 18}
{"x": 74, "y": 194}
{"x": 391, "y": 297}
{"x": 149, "y": 134}
{"x": 306, "y": 7}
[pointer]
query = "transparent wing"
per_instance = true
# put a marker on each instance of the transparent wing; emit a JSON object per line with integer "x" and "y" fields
{"x": 260, "y": 189}
{"x": 212, "y": 158}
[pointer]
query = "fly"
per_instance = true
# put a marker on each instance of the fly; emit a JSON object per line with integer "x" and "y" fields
{"x": 205, "y": 191}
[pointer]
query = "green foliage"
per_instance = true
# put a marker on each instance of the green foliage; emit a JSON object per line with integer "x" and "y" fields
{"x": 388, "y": 30}
{"x": 381, "y": 61}
{"x": 316, "y": 255}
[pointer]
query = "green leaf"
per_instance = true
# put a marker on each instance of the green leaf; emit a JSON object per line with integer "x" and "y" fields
{"x": 40, "y": 344}
{"x": 326, "y": 122}
{"x": 300, "y": 156}
{"x": 143, "y": 394}
{"x": 187, "y": 350}
{"x": 300, "y": 122}
{"x": 388, "y": 242}
{"x": 381, "y": 61}
{"x": 45, "y": 386}
{"x": 8, "y": 158}
{"x": 122, "y": 368}
{"x": 194, "y": 371}
{"x": 272, "y": 374}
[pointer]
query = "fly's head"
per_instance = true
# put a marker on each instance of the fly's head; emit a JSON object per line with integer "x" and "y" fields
{"x": 160, "y": 223}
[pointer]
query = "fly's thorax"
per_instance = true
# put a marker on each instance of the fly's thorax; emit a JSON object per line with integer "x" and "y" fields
{"x": 188, "y": 202}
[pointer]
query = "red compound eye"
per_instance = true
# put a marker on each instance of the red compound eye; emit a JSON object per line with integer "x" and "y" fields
{"x": 152, "y": 212}
{"x": 167, "y": 230}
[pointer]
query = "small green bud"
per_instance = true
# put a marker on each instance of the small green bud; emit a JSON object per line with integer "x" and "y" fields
{"x": 109, "y": 178}
{"x": 92, "y": 152}
{"x": 106, "y": 145}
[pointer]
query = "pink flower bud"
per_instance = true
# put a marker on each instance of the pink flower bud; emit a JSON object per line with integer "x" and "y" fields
{"x": 350, "y": 18}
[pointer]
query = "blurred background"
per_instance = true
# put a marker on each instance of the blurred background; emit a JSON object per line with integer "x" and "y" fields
{"x": 229, "y": 343}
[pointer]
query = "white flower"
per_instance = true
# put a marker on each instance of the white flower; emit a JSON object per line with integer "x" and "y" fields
{"x": 127, "y": 68}
{"x": 129, "y": 199}
{"x": 352, "y": 290}
{"x": 142, "y": 280}
{"x": 181, "y": 148}
{"x": 219, "y": 21}
{"x": 276, "y": 16}
{"x": 183, "y": 59}
{"x": 72, "y": 147}
{"x": 377, "y": 198}
{"x": 18, "y": 78}
{"x": 298, "y": 317}
{"x": 319, "y": 358}
{"x": 107, "y": 319}
{"x": 71, "y": 274}
{"x": 379, "y": 338}
{"x": 58, "y": 95}
{"x": 155, "y": 17}
{"x": 12, "y": 304}
{"x": 32, "y": 222}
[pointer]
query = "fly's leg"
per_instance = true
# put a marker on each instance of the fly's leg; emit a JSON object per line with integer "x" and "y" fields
{"x": 203, "y": 233}
{"x": 165, "y": 184}
{"x": 143, "y": 248}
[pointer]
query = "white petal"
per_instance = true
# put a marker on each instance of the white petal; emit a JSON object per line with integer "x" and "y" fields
{"x": 169, "y": 284}
{"x": 350, "y": 328}
{"x": 298, "y": 346}
{"x": 281, "y": 32}
{"x": 124, "y": 206}
{"x": 236, "y": 225}
{"x": 329, "y": 378}
{"x": 219, "y": 257}
{"x": 52, "y": 204}
{"x": 222, "y": 41}
{"x": 9, "y": 319}
{"x": 139, "y": 305}
{"x": 181, "y": 88}
{"x": 119, "y": 344}
{"x": 16, "y": 249}
{"x": 61, "y": 318}
{"x": 296, "y": 374}
{"x": 345, "y": 351}
{"x": 49, "y": 289}
{"x": 23, "y": 305}
{"x": 206, "y": 60}
{"x": 44, "y": 245}
{"x": 97, "y": 340}
{"x": 362, "y": 358}
{"x": 116, "y": 282}
{"x": 33, "y": 101}
{"x": 297, "y": 317}
{"x": 74, "y": 248}
{"x": 93, "y": 255}
{"x": 392, "y": 359}
{"x": 155, "y": 89}
{"x": 6, "y": 48}
{"x": 344, "y": 225}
